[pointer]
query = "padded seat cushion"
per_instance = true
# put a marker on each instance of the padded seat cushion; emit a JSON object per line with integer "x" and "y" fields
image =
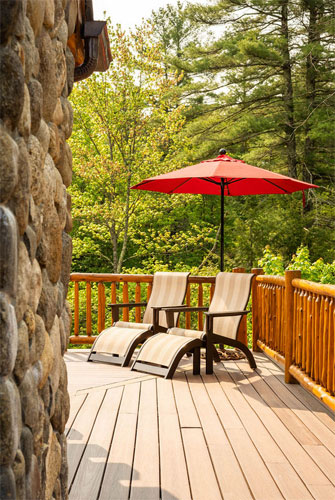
{"x": 125, "y": 324}
{"x": 183, "y": 332}
{"x": 116, "y": 340}
{"x": 162, "y": 348}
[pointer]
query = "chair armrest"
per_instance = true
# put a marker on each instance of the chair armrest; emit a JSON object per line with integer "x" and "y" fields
{"x": 130, "y": 304}
{"x": 226, "y": 313}
{"x": 116, "y": 308}
{"x": 184, "y": 308}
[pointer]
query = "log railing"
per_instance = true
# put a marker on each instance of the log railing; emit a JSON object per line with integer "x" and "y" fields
{"x": 95, "y": 291}
{"x": 293, "y": 322}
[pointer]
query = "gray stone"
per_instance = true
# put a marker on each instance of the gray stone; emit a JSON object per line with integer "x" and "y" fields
{"x": 66, "y": 260}
{"x": 9, "y": 13}
{"x": 19, "y": 202}
{"x": 62, "y": 33}
{"x": 29, "y": 239}
{"x": 10, "y": 420}
{"x": 68, "y": 117}
{"x": 33, "y": 481}
{"x": 29, "y": 319}
{"x": 60, "y": 298}
{"x": 48, "y": 300}
{"x": 7, "y": 483}
{"x": 11, "y": 87}
{"x": 52, "y": 464}
{"x": 62, "y": 401}
{"x": 64, "y": 467}
{"x": 50, "y": 247}
{"x": 57, "y": 493}
{"x": 47, "y": 359}
{"x": 25, "y": 119}
{"x": 49, "y": 14}
{"x": 64, "y": 164}
{"x": 67, "y": 319}
{"x": 31, "y": 55}
{"x": 23, "y": 281}
{"x": 8, "y": 254}
{"x": 39, "y": 335}
{"x": 56, "y": 366}
{"x": 35, "y": 14}
{"x": 61, "y": 207}
{"x": 22, "y": 357}
{"x": 71, "y": 13}
{"x": 19, "y": 31}
{"x": 58, "y": 115}
{"x": 9, "y": 154}
{"x": 43, "y": 135}
{"x": 36, "y": 99}
{"x": 69, "y": 223}
{"x": 63, "y": 336}
{"x": 60, "y": 66}
{"x": 54, "y": 145}
{"x": 8, "y": 335}
{"x": 19, "y": 473}
{"x": 30, "y": 401}
{"x": 37, "y": 167}
{"x": 27, "y": 446}
{"x": 70, "y": 65}
{"x": 36, "y": 219}
{"x": 47, "y": 75}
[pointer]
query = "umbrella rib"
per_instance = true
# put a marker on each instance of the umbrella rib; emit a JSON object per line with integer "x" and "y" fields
{"x": 210, "y": 180}
{"x": 177, "y": 187}
{"x": 276, "y": 185}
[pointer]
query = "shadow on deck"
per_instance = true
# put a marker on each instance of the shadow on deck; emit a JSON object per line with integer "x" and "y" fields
{"x": 237, "y": 434}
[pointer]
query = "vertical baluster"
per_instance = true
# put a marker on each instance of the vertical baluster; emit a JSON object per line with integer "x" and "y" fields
{"x": 267, "y": 315}
{"x": 282, "y": 322}
{"x": 125, "y": 299}
{"x": 200, "y": 304}
{"x": 277, "y": 323}
{"x": 304, "y": 330}
{"x": 313, "y": 337}
{"x": 256, "y": 312}
{"x": 289, "y": 304}
{"x": 76, "y": 308}
{"x": 330, "y": 349}
{"x": 333, "y": 335}
{"x": 138, "y": 299}
{"x": 88, "y": 309}
{"x": 317, "y": 338}
{"x": 188, "y": 303}
{"x": 321, "y": 346}
{"x": 149, "y": 290}
{"x": 325, "y": 343}
{"x": 113, "y": 297}
{"x": 294, "y": 327}
{"x": 299, "y": 332}
{"x": 101, "y": 307}
{"x": 309, "y": 334}
{"x": 263, "y": 312}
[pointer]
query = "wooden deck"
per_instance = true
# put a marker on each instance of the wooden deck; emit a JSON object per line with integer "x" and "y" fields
{"x": 236, "y": 435}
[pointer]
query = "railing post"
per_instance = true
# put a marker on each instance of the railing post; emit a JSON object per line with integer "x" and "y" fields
{"x": 76, "y": 308}
{"x": 255, "y": 309}
{"x": 242, "y": 334}
{"x": 289, "y": 316}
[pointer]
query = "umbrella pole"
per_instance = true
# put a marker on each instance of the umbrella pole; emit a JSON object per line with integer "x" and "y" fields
{"x": 222, "y": 226}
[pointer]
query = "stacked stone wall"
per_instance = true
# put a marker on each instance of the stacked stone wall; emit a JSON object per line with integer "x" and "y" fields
{"x": 36, "y": 77}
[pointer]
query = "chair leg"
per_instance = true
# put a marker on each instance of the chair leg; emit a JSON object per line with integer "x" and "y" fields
{"x": 196, "y": 361}
{"x": 216, "y": 355}
{"x": 209, "y": 359}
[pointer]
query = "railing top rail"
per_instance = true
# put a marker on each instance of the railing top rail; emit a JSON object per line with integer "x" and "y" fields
{"x": 310, "y": 286}
{"x": 119, "y": 278}
{"x": 271, "y": 280}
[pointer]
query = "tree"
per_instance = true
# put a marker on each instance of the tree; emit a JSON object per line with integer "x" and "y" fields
{"x": 127, "y": 127}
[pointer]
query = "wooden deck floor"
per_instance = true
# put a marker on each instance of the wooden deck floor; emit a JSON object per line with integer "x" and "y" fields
{"x": 236, "y": 435}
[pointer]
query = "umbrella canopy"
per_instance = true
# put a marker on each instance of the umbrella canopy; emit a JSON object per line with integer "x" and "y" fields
{"x": 223, "y": 176}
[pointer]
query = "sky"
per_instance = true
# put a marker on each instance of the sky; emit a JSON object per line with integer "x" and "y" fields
{"x": 127, "y": 12}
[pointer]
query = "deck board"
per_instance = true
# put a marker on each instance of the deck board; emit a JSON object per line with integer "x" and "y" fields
{"x": 236, "y": 434}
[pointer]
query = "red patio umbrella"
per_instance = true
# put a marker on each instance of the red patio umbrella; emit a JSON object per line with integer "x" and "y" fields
{"x": 223, "y": 176}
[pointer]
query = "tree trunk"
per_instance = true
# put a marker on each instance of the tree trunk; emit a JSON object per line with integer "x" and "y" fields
{"x": 289, "y": 126}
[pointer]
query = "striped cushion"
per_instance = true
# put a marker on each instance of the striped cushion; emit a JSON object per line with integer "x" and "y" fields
{"x": 126, "y": 324}
{"x": 182, "y": 332}
{"x": 116, "y": 340}
{"x": 162, "y": 348}
{"x": 168, "y": 290}
{"x": 232, "y": 291}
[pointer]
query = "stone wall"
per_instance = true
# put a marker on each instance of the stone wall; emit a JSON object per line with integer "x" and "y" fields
{"x": 36, "y": 77}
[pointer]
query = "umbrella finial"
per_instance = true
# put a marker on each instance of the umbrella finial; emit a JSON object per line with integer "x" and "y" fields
{"x": 222, "y": 151}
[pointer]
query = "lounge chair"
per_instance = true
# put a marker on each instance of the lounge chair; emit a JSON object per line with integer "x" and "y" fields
{"x": 117, "y": 343}
{"x": 161, "y": 353}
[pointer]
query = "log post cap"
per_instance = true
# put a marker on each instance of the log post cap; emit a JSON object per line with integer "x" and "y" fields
{"x": 292, "y": 274}
{"x": 238, "y": 269}
{"x": 257, "y": 270}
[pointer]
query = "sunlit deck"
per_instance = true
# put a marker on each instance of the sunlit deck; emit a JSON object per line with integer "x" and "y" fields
{"x": 236, "y": 434}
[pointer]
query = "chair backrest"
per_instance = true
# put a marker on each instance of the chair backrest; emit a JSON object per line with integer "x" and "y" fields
{"x": 232, "y": 292}
{"x": 168, "y": 289}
